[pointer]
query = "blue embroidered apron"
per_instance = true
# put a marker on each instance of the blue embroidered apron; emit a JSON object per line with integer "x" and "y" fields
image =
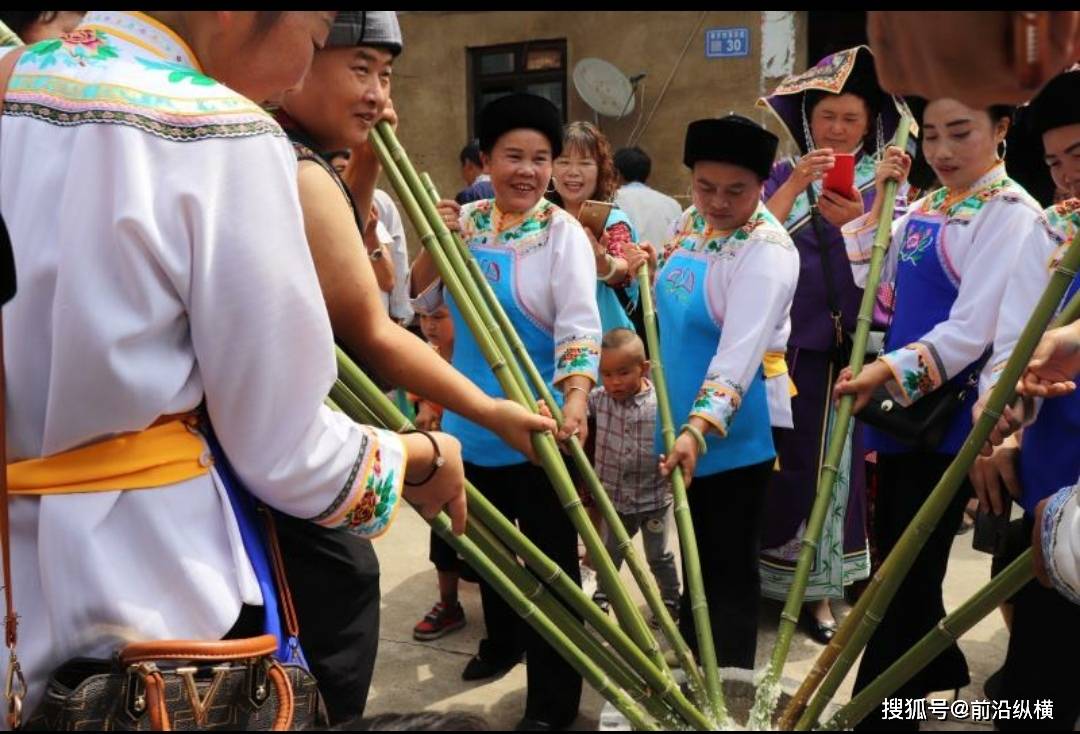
{"x": 478, "y": 445}
{"x": 688, "y": 339}
{"x": 612, "y": 313}
{"x": 252, "y": 535}
{"x": 1049, "y": 459}
{"x": 926, "y": 290}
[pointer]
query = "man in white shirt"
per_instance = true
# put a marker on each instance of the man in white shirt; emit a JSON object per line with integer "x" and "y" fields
{"x": 391, "y": 233}
{"x": 651, "y": 212}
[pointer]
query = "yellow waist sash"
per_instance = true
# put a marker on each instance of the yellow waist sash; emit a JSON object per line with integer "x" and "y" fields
{"x": 775, "y": 365}
{"x": 160, "y": 455}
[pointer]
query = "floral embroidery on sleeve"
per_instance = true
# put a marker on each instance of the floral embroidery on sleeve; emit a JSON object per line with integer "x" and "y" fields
{"x": 1051, "y": 525}
{"x": 576, "y": 356}
{"x": 619, "y": 237}
{"x": 368, "y": 501}
{"x": 717, "y": 401}
{"x": 916, "y": 372}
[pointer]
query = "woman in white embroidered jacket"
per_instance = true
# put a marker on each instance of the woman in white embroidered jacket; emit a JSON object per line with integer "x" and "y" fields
{"x": 176, "y": 274}
{"x": 724, "y": 290}
{"x": 943, "y": 282}
{"x": 543, "y": 271}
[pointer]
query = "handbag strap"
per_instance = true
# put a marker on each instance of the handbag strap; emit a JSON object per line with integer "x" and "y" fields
{"x": 15, "y": 687}
{"x": 831, "y": 298}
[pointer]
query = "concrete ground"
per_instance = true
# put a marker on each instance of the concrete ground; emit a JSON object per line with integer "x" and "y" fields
{"x": 414, "y": 676}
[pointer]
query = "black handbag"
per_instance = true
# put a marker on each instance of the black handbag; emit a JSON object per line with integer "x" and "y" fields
{"x": 924, "y": 423}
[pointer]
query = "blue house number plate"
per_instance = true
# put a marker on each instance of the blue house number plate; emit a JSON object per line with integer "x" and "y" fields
{"x": 725, "y": 43}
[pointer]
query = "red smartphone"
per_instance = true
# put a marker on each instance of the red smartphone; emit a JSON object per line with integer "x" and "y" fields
{"x": 841, "y": 177}
{"x": 594, "y": 216}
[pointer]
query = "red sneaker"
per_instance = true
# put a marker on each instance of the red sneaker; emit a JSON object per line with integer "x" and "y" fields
{"x": 440, "y": 621}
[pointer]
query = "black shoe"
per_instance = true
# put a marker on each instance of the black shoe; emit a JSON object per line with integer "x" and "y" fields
{"x": 479, "y": 669}
{"x": 992, "y": 686}
{"x": 819, "y": 631}
{"x": 527, "y": 724}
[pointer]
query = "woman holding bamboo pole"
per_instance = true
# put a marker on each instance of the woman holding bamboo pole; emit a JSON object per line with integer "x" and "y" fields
{"x": 542, "y": 270}
{"x": 724, "y": 289}
{"x": 1046, "y": 458}
{"x": 943, "y": 281}
{"x": 834, "y": 108}
{"x": 346, "y": 92}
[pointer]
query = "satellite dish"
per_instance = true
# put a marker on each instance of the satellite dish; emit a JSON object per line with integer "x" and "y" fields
{"x": 604, "y": 87}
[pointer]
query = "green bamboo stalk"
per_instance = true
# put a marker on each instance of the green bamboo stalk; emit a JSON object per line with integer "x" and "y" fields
{"x": 885, "y": 582}
{"x": 354, "y": 388}
{"x": 642, "y": 575}
{"x": 8, "y": 37}
{"x": 683, "y": 520}
{"x": 947, "y": 631}
{"x": 385, "y": 413}
{"x": 426, "y": 219}
{"x": 543, "y": 624}
{"x": 768, "y": 691}
{"x": 1070, "y": 313}
{"x": 623, "y": 675}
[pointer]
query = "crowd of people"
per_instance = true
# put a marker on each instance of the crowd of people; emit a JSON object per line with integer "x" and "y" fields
{"x": 230, "y": 233}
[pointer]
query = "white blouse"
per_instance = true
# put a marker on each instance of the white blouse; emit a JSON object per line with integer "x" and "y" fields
{"x": 749, "y": 288}
{"x": 161, "y": 262}
{"x": 985, "y": 226}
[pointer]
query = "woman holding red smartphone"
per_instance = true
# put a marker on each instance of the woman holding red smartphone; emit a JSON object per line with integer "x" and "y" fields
{"x": 838, "y": 116}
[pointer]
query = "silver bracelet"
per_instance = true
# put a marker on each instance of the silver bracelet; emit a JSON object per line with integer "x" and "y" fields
{"x": 575, "y": 387}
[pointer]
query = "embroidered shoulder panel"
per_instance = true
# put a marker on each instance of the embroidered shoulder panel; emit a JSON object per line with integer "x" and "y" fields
{"x": 966, "y": 209}
{"x": 1062, "y": 221}
{"x": 482, "y": 225}
{"x": 694, "y": 234}
{"x": 81, "y": 78}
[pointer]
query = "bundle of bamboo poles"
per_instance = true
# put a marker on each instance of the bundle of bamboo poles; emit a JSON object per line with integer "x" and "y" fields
{"x": 519, "y": 378}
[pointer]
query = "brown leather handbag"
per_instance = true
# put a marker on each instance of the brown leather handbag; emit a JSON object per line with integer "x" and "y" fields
{"x": 166, "y": 684}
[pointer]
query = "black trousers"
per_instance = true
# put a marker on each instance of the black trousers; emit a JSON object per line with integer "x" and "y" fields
{"x": 728, "y": 511}
{"x": 1043, "y": 649}
{"x": 334, "y": 579}
{"x": 904, "y": 482}
{"x": 523, "y": 494}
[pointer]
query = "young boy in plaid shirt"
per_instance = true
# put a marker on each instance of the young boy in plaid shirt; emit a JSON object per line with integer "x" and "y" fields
{"x": 624, "y": 409}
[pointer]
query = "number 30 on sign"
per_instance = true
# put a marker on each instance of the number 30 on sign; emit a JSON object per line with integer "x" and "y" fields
{"x": 724, "y": 43}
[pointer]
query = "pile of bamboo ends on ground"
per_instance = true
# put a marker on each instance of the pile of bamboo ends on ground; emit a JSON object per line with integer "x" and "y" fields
{"x": 838, "y": 657}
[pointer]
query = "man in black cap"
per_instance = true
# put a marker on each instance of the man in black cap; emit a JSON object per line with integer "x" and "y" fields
{"x": 1047, "y": 459}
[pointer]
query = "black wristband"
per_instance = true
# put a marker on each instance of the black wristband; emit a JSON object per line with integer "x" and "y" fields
{"x": 438, "y": 461}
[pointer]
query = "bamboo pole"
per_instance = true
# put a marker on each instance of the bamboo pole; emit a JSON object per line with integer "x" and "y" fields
{"x": 1071, "y": 311}
{"x": 947, "y": 631}
{"x": 426, "y": 219}
{"x": 379, "y": 410}
{"x": 543, "y": 624}
{"x": 683, "y": 520}
{"x": 642, "y": 575}
{"x": 768, "y": 691}
{"x": 382, "y": 411}
{"x": 859, "y": 627}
